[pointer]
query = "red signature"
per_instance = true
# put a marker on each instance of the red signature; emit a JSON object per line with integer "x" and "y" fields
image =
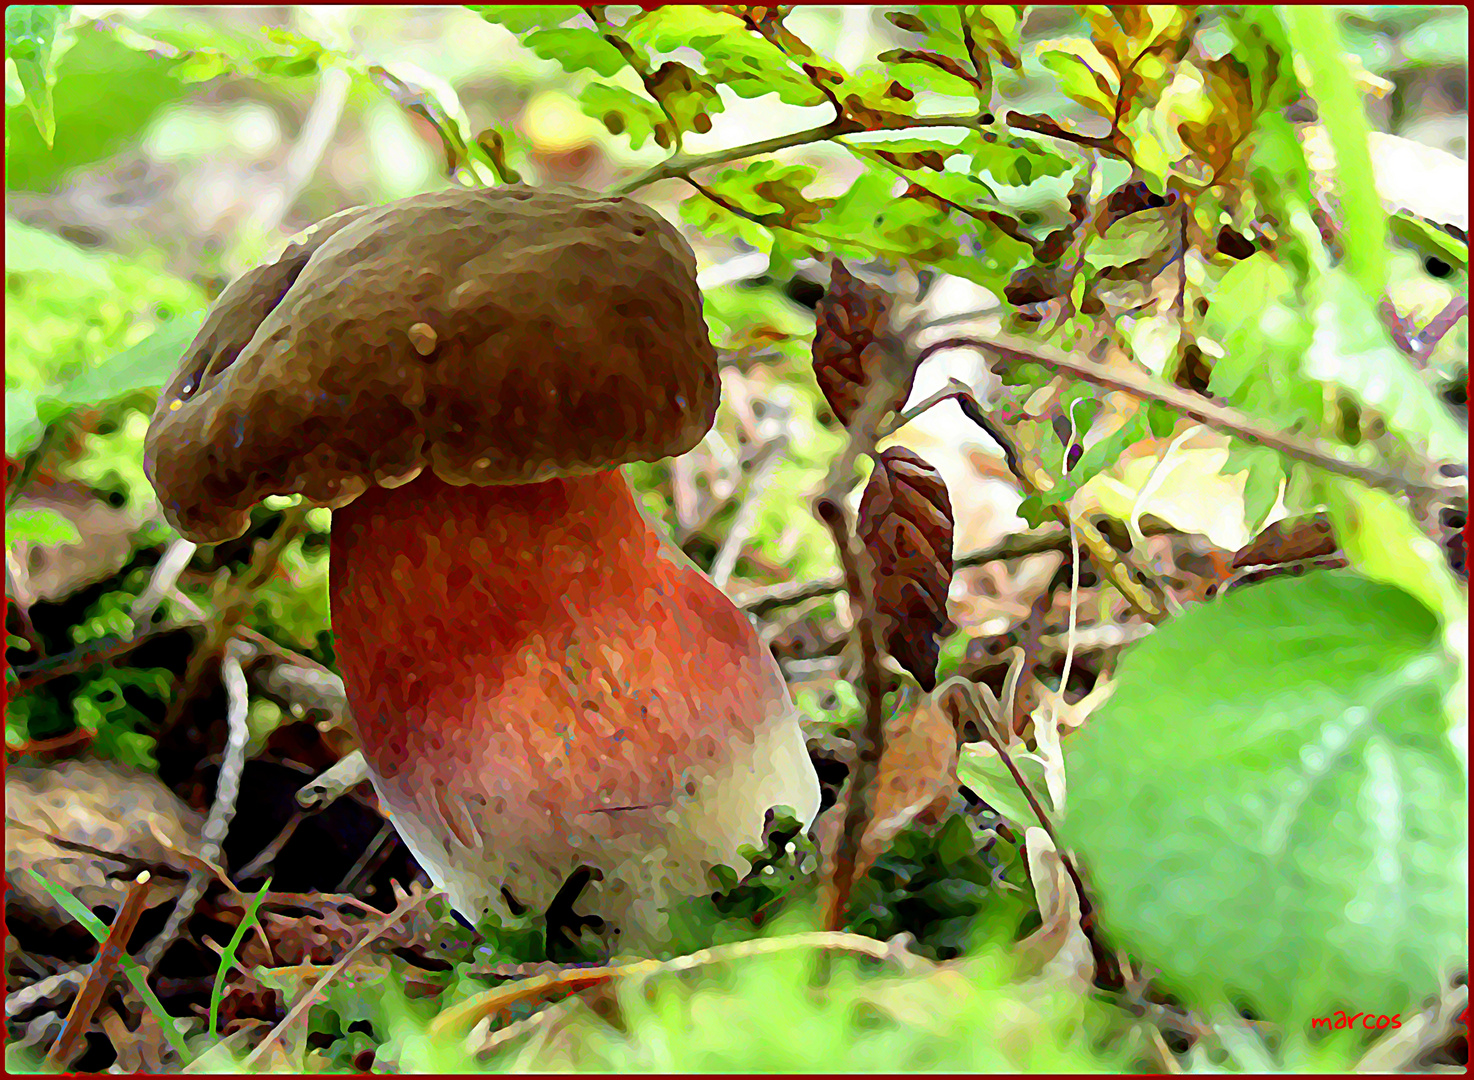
{"x": 1369, "y": 1021}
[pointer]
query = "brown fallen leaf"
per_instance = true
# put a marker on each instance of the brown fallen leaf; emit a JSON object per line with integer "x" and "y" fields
{"x": 916, "y": 779}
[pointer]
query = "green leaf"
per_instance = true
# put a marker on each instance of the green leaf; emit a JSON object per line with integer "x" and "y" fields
{"x": 1429, "y": 239}
{"x": 998, "y": 26}
{"x": 520, "y": 18}
{"x": 868, "y": 220}
{"x": 744, "y": 62}
{"x": 1133, "y": 238}
{"x": 1081, "y": 82}
{"x": 29, "y": 250}
{"x": 622, "y": 111}
{"x": 1265, "y": 475}
{"x": 1382, "y": 541}
{"x": 146, "y": 366}
{"x": 39, "y": 525}
{"x": 577, "y": 50}
{"x": 1351, "y": 348}
{"x": 1317, "y": 39}
{"x": 980, "y": 768}
{"x": 30, "y": 37}
{"x": 1236, "y": 320}
{"x": 23, "y": 425}
{"x": 1270, "y": 806}
{"x": 90, "y": 73}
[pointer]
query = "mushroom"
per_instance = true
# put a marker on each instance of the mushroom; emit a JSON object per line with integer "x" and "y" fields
{"x": 545, "y": 689}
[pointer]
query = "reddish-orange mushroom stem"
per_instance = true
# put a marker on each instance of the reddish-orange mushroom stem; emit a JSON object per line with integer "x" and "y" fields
{"x": 536, "y": 660}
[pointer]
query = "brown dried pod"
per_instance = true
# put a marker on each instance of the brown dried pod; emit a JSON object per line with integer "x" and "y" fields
{"x": 849, "y": 355}
{"x": 906, "y": 525}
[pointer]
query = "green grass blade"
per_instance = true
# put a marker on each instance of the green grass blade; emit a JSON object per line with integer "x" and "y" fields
{"x": 227, "y": 958}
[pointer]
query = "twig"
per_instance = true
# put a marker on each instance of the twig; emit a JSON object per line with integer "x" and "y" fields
{"x": 1042, "y": 125}
{"x": 303, "y": 1003}
{"x": 462, "y": 1017}
{"x": 1428, "y": 338}
{"x": 764, "y": 601}
{"x": 350, "y": 879}
{"x": 165, "y": 576}
{"x": 267, "y": 855}
{"x": 100, "y": 975}
{"x": 962, "y": 702}
{"x": 763, "y": 466}
{"x": 1398, "y": 327}
{"x": 53, "y": 990}
{"x": 19, "y": 594}
{"x": 1400, "y": 1051}
{"x": 348, "y": 772}
{"x": 680, "y": 165}
{"x": 306, "y": 154}
{"x": 951, "y": 391}
{"x": 1202, "y": 410}
{"x": 222, "y": 810}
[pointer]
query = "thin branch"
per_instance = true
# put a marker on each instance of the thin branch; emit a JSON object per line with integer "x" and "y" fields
{"x": 763, "y": 468}
{"x": 1428, "y": 338}
{"x": 165, "y": 576}
{"x": 963, "y": 703}
{"x": 52, "y": 990}
{"x": 680, "y": 165}
{"x": 1202, "y": 410}
{"x": 765, "y": 601}
{"x": 1042, "y": 125}
{"x": 303, "y": 1003}
{"x": 222, "y": 810}
{"x": 347, "y": 773}
{"x": 89, "y": 997}
{"x": 19, "y": 594}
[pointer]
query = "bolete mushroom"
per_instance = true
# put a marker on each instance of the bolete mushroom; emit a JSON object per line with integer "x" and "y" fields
{"x": 544, "y": 687}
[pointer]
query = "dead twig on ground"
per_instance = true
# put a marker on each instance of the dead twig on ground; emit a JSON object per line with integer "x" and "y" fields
{"x": 89, "y": 997}
{"x": 408, "y": 904}
{"x": 222, "y": 810}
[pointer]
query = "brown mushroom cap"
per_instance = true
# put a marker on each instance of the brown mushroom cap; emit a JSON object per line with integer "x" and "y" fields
{"x": 495, "y": 336}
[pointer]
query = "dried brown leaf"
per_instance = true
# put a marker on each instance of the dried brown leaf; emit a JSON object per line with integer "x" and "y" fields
{"x": 1059, "y": 947}
{"x": 916, "y": 779}
{"x": 1289, "y": 541}
{"x": 906, "y": 525}
{"x": 849, "y": 355}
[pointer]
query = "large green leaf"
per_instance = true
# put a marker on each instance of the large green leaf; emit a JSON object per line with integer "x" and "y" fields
{"x": 1270, "y": 806}
{"x": 93, "y": 118}
{"x": 576, "y": 50}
